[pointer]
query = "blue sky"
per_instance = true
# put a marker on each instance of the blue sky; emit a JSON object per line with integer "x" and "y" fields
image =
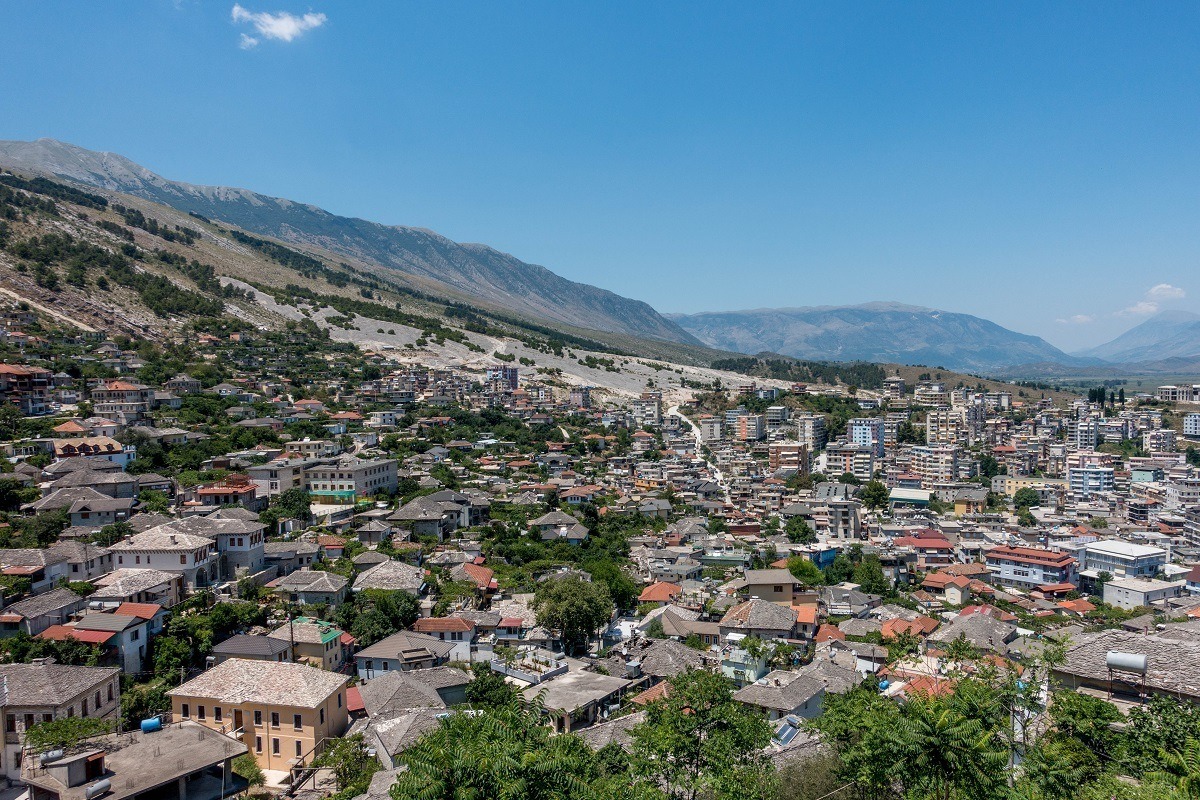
{"x": 1033, "y": 163}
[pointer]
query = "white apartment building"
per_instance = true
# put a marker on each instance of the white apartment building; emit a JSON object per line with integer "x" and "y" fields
{"x": 1159, "y": 441}
{"x": 1191, "y": 425}
{"x": 944, "y": 426}
{"x": 868, "y": 432}
{"x": 935, "y": 464}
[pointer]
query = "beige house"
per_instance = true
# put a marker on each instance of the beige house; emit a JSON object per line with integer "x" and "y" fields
{"x": 281, "y": 709}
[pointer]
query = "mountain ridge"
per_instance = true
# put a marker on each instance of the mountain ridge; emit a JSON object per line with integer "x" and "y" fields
{"x": 878, "y": 331}
{"x": 475, "y": 269}
{"x": 1167, "y": 335}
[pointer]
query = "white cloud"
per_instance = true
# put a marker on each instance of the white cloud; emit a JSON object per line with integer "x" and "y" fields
{"x": 1139, "y": 309}
{"x": 282, "y": 26}
{"x": 1076, "y": 319}
{"x": 1151, "y": 300}
{"x": 1165, "y": 291}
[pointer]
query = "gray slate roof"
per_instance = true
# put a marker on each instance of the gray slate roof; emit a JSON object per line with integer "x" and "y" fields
{"x": 51, "y": 684}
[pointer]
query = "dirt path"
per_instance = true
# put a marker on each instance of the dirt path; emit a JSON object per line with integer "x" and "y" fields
{"x": 48, "y": 311}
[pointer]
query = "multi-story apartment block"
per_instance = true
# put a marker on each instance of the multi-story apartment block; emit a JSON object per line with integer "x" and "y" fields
{"x": 710, "y": 429}
{"x": 1159, "y": 441}
{"x": 1179, "y": 394}
{"x": 1191, "y": 425}
{"x": 944, "y": 426}
{"x": 935, "y": 464}
{"x": 27, "y": 388}
{"x": 504, "y": 376}
{"x": 857, "y": 459}
{"x": 748, "y": 428}
{"x": 1030, "y": 567}
{"x": 893, "y": 388}
{"x": 1083, "y": 433}
{"x": 1122, "y": 559}
{"x": 647, "y": 409}
{"x": 349, "y": 479}
{"x": 280, "y": 710}
{"x": 931, "y": 393}
{"x": 868, "y": 432}
{"x": 580, "y": 397}
{"x": 122, "y": 401}
{"x": 787, "y": 455}
{"x": 1089, "y": 473}
{"x": 777, "y": 417}
{"x": 810, "y": 431}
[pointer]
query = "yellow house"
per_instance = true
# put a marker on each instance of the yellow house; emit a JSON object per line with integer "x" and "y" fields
{"x": 280, "y": 710}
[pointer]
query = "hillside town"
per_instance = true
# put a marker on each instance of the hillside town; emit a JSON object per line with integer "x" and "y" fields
{"x": 294, "y": 562}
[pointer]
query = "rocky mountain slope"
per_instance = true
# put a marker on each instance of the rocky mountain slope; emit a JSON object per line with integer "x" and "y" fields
{"x": 889, "y": 332}
{"x": 471, "y": 270}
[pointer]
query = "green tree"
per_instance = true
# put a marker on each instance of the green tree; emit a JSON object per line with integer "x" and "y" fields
{"x": 1180, "y": 768}
{"x": 874, "y": 495}
{"x": 247, "y": 767}
{"x": 799, "y": 531}
{"x": 1026, "y": 497}
{"x": 868, "y": 574}
{"x": 575, "y": 608}
{"x": 805, "y": 571}
{"x": 950, "y": 755}
{"x": 505, "y": 754}
{"x": 352, "y": 764}
{"x": 699, "y": 741}
{"x": 488, "y": 688}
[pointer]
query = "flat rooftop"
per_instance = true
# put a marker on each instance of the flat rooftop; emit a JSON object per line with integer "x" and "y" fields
{"x": 137, "y": 762}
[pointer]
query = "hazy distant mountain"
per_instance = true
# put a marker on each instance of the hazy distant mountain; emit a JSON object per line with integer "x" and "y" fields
{"x": 473, "y": 269}
{"x": 872, "y": 332}
{"x": 1168, "y": 335}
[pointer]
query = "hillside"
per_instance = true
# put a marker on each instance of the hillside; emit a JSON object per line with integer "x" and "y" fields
{"x": 879, "y": 332}
{"x": 123, "y": 266}
{"x": 449, "y": 268}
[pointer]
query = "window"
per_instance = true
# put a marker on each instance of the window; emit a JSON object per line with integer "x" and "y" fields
{"x": 137, "y": 559}
{"x": 370, "y": 665}
{"x": 322, "y": 716}
{"x": 216, "y": 713}
{"x": 199, "y": 712}
{"x": 110, "y": 692}
{"x": 47, "y": 718}
{"x": 275, "y": 747}
{"x": 182, "y": 558}
{"x": 136, "y": 635}
{"x": 339, "y": 699}
{"x": 98, "y": 700}
{"x": 275, "y": 720}
{"x": 28, "y": 721}
{"x": 70, "y": 711}
{"x": 299, "y": 749}
{"x": 83, "y": 706}
{"x": 258, "y": 744}
{"x": 297, "y": 722}
{"x": 257, "y": 718}
{"x": 10, "y": 724}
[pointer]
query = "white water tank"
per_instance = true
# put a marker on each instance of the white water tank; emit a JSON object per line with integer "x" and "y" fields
{"x": 1126, "y": 662}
